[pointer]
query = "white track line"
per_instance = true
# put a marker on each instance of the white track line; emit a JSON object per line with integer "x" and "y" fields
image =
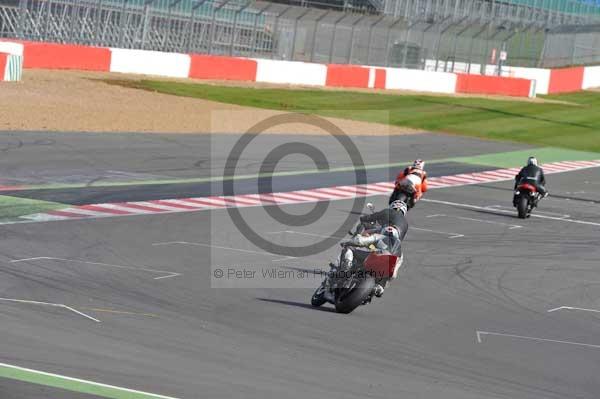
{"x": 511, "y": 226}
{"x": 490, "y": 209}
{"x": 480, "y": 335}
{"x": 55, "y": 305}
{"x": 451, "y": 235}
{"x": 85, "y": 382}
{"x": 201, "y": 244}
{"x": 573, "y": 308}
{"x": 304, "y": 234}
{"x": 167, "y": 274}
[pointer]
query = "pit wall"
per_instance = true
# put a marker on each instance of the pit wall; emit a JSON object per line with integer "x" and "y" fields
{"x": 520, "y": 82}
{"x": 11, "y": 61}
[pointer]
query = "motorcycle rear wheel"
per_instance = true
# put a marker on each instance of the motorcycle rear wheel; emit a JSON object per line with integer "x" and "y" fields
{"x": 522, "y": 205}
{"x": 359, "y": 294}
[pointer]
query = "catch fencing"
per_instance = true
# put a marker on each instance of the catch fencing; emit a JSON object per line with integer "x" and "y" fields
{"x": 444, "y": 35}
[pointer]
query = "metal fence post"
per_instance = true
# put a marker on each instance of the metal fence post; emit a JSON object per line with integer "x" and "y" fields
{"x": 146, "y": 22}
{"x": 235, "y": 20}
{"x": 456, "y": 36}
{"x": 439, "y": 40}
{"x": 190, "y": 30}
{"x": 21, "y": 21}
{"x": 371, "y": 27}
{"x": 255, "y": 28}
{"x": 351, "y": 49}
{"x": 387, "y": 41}
{"x": 275, "y": 28}
{"x": 314, "y": 39}
{"x": 483, "y": 29}
{"x": 405, "y": 49}
{"x": 213, "y": 25}
{"x": 293, "y": 51}
{"x": 333, "y": 35}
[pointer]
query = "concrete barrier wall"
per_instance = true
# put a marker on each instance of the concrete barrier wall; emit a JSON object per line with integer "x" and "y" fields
{"x": 144, "y": 62}
{"x": 565, "y": 80}
{"x": 348, "y": 76}
{"x": 417, "y": 80}
{"x": 541, "y": 77}
{"x": 291, "y": 72}
{"x": 63, "y": 56}
{"x": 480, "y": 84}
{"x": 591, "y": 77}
{"x": 222, "y": 68}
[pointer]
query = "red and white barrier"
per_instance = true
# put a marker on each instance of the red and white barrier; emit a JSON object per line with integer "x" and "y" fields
{"x": 522, "y": 82}
{"x": 144, "y": 62}
{"x": 417, "y": 80}
{"x": 291, "y": 72}
{"x": 11, "y": 61}
{"x": 591, "y": 77}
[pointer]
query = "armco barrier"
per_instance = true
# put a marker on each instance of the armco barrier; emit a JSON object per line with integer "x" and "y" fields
{"x": 347, "y": 76}
{"x": 591, "y": 77}
{"x": 291, "y": 72}
{"x": 144, "y": 62}
{"x": 481, "y": 84}
{"x": 417, "y": 80}
{"x": 565, "y": 80}
{"x": 66, "y": 56}
{"x": 222, "y": 68}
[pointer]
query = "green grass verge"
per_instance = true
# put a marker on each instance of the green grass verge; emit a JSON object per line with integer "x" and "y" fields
{"x": 574, "y": 125}
{"x": 13, "y": 207}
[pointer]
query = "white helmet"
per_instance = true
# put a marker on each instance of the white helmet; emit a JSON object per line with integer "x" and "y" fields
{"x": 532, "y": 161}
{"x": 399, "y": 206}
{"x": 419, "y": 164}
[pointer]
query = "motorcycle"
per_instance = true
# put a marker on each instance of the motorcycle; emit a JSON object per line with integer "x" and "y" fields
{"x": 351, "y": 283}
{"x": 525, "y": 198}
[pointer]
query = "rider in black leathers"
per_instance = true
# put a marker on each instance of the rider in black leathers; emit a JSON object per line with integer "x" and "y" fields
{"x": 534, "y": 175}
{"x": 393, "y": 225}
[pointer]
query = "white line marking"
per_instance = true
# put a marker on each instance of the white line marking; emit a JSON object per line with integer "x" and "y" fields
{"x": 554, "y": 214}
{"x": 91, "y": 383}
{"x": 304, "y": 234}
{"x": 200, "y": 244}
{"x": 55, "y": 305}
{"x": 451, "y": 235}
{"x": 573, "y": 308}
{"x": 80, "y": 313}
{"x": 167, "y": 273}
{"x": 512, "y": 226}
{"x": 480, "y": 335}
{"x": 488, "y": 208}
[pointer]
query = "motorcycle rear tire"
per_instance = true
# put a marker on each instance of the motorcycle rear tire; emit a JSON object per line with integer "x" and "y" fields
{"x": 356, "y": 297}
{"x": 522, "y": 205}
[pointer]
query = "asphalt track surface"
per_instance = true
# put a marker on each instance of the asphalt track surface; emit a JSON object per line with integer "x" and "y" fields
{"x": 466, "y": 270}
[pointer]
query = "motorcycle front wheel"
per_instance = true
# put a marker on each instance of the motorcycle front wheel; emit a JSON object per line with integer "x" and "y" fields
{"x": 349, "y": 301}
{"x": 318, "y": 297}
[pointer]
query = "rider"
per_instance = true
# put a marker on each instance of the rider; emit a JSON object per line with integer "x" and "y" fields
{"x": 393, "y": 230}
{"x": 534, "y": 175}
{"x": 411, "y": 181}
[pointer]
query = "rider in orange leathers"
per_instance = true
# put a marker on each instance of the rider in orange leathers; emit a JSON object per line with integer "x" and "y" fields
{"x": 411, "y": 183}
